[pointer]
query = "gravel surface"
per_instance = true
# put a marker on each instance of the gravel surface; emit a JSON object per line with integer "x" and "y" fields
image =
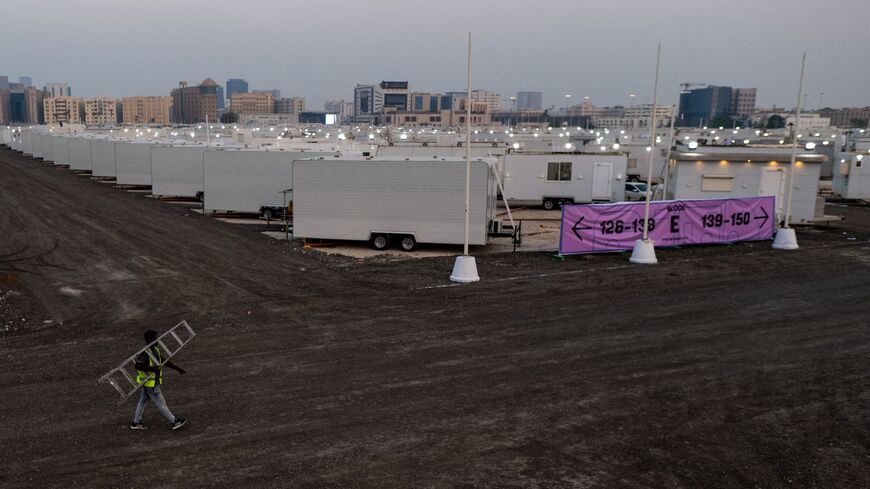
{"x": 723, "y": 366}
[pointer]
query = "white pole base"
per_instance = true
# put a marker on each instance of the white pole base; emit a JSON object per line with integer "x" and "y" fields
{"x": 644, "y": 252}
{"x": 464, "y": 270}
{"x": 785, "y": 239}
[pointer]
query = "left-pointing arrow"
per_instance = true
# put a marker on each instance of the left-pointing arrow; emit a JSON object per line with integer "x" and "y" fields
{"x": 579, "y": 227}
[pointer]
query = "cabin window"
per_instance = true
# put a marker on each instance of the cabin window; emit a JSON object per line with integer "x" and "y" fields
{"x": 559, "y": 171}
{"x": 717, "y": 183}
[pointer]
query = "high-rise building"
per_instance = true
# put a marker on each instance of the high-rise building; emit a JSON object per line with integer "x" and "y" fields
{"x": 101, "y": 111}
{"x": 367, "y": 101}
{"x": 396, "y": 95}
{"x": 194, "y": 104}
{"x": 17, "y": 108}
{"x": 26, "y": 81}
{"x": 290, "y": 105}
{"x": 4, "y": 106}
{"x": 252, "y": 103}
{"x": 743, "y": 102}
{"x": 221, "y": 98}
{"x": 62, "y": 110}
{"x": 146, "y": 110}
{"x": 372, "y": 100}
{"x": 338, "y": 106}
{"x": 33, "y": 99}
{"x": 530, "y": 100}
{"x": 333, "y": 105}
{"x": 700, "y": 104}
{"x": 236, "y": 85}
{"x": 57, "y": 90}
{"x": 4, "y": 82}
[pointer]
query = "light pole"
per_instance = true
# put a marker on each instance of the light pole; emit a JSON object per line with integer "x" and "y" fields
{"x": 644, "y": 249}
{"x": 785, "y": 237}
{"x": 465, "y": 268}
{"x": 585, "y": 107}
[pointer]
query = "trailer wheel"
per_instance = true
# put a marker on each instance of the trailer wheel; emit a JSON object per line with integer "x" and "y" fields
{"x": 549, "y": 205}
{"x": 408, "y": 243}
{"x": 380, "y": 241}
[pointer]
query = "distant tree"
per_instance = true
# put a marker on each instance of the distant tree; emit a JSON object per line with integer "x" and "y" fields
{"x": 775, "y": 122}
{"x": 229, "y": 117}
{"x": 721, "y": 121}
{"x": 859, "y": 122}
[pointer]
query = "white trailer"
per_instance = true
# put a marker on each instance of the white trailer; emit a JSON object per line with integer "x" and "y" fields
{"x": 48, "y": 148}
{"x": 37, "y": 139}
{"x": 249, "y": 180}
{"x": 25, "y": 144}
{"x": 61, "y": 150}
{"x": 551, "y": 179}
{"x": 721, "y": 172}
{"x": 408, "y": 201}
{"x": 177, "y": 171}
{"x": 80, "y": 153}
{"x": 103, "y": 158}
{"x": 133, "y": 163}
{"x": 418, "y": 150}
{"x": 851, "y": 179}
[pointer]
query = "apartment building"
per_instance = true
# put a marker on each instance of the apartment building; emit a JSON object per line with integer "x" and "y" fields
{"x": 194, "y": 104}
{"x": 847, "y": 116}
{"x": 57, "y": 90}
{"x": 489, "y": 97}
{"x": 252, "y": 103}
{"x": 62, "y": 110}
{"x": 146, "y": 110}
{"x": 101, "y": 111}
{"x": 290, "y": 105}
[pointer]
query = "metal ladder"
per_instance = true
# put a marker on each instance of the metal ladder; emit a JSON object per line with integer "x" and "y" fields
{"x": 181, "y": 334}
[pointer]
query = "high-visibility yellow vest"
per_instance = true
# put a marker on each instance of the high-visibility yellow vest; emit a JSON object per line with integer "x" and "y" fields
{"x": 140, "y": 375}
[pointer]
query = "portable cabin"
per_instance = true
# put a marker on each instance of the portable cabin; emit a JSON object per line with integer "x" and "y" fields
{"x": 720, "y": 172}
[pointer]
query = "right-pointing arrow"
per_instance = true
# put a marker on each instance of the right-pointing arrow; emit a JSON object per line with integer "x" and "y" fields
{"x": 765, "y": 217}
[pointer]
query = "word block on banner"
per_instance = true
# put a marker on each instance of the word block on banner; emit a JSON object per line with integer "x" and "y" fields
{"x": 596, "y": 228}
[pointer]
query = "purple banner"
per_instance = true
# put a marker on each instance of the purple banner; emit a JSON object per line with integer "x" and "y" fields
{"x": 596, "y": 228}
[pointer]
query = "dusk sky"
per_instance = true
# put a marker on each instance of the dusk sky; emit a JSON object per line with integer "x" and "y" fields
{"x": 318, "y": 50}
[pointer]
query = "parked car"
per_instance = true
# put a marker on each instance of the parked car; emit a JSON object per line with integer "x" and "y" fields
{"x": 635, "y": 191}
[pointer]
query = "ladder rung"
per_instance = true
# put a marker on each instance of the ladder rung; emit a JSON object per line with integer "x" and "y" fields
{"x": 118, "y": 387}
{"x": 127, "y": 375}
{"x": 169, "y": 352}
{"x": 152, "y": 357}
{"x": 177, "y": 338}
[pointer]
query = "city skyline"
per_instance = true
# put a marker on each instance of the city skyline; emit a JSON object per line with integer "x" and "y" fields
{"x": 606, "y": 60}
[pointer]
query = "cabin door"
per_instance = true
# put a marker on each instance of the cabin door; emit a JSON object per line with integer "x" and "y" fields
{"x": 602, "y": 181}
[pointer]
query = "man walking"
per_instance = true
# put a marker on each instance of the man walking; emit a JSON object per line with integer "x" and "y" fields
{"x": 150, "y": 375}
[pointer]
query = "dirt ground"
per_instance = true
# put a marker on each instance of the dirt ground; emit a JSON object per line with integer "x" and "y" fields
{"x": 722, "y": 366}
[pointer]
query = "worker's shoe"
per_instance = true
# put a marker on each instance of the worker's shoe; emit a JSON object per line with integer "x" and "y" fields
{"x": 179, "y": 422}
{"x": 137, "y": 426}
